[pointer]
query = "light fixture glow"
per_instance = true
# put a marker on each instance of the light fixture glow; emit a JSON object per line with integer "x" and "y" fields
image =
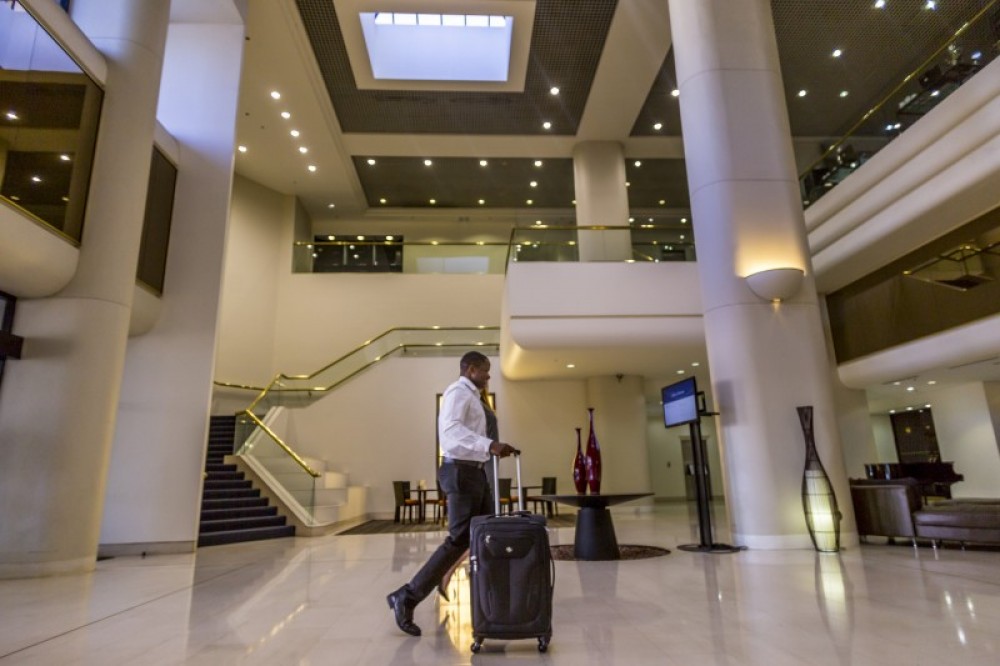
{"x": 482, "y": 202}
{"x": 675, "y": 92}
{"x": 383, "y": 201}
{"x": 663, "y": 202}
{"x": 570, "y": 365}
{"x": 529, "y": 201}
{"x": 242, "y": 149}
{"x": 533, "y": 183}
{"x": 657, "y": 126}
{"x": 311, "y": 167}
{"x": 483, "y": 163}
{"x": 637, "y": 163}
{"x": 36, "y": 179}
{"x": 843, "y": 93}
{"x": 12, "y": 116}
{"x": 910, "y": 389}
{"x": 428, "y": 162}
{"x": 303, "y": 150}
{"x": 64, "y": 157}
{"x": 879, "y": 4}
{"x": 286, "y": 115}
{"x": 433, "y": 201}
{"x": 295, "y": 133}
{"x": 554, "y": 90}
{"x": 837, "y": 53}
{"x": 803, "y": 93}
{"x": 332, "y": 205}
{"x": 930, "y": 5}
{"x": 275, "y": 94}
{"x": 547, "y": 125}
{"x": 371, "y": 162}
{"x": 538, "y": 163}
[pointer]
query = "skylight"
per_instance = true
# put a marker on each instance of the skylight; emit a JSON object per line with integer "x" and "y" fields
{"x": 438, "y": 47}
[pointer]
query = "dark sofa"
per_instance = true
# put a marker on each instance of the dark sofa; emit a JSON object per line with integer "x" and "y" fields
{"x": 966, "y": 520}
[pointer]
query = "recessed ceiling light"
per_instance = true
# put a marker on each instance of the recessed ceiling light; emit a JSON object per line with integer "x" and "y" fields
{"x": 64, "y": 157}
{"x": 657, "y": 126}
{"x": 303, "y": 150}
{"x": 382, "y": 201}
{"x": 684, "y": 220}
{"x": 538, "y": 163}
{"x": 332, "y": 205}
{"x": 533, "y": 183}
{"x": 242, "y": 149}
{"x": 631, "y": 219}
{"x": 695, "y": 364}
{"x": 529, "y": 201}
{"x": 675, "y": 92}
{"x": 547, "y": 125}
{"x": 935, "y": 93}
{"x": 976, "y": 55}
{"x": 803, "y": 93}
{"x": 538, "y": 221}
{"x": 909, "y": 409}
{"x": 36, "y": 179}
{"x": 931, "y": 383}
{"x": 390, "y": 237}
{"x": 930, "y": 5}
{"x": 844, "y": 93}
{"x": 554, "y": 90}
{"x": 294, "y": 133}
{"x": 680, "y": 372}
{"x": 14, "y": 197}
{"x": 433, "y": 201}
{"x": 927, "y": 406}
{"x": 12, "y": 116}
{"x": 482, "y": 202}
{"x": 361, "y": 237}
{"x": 650, "y": 219}
{"x": 628, "y": 184}
{"x": 637, "y": 163}
{"x": 428, "y": 162}
{"x": 910, "y": 389}
{"x": 879, "y": 4}
{"x": 286, "y": 115}
{"x": 371, "y": 162}
{"x": 65, "y": 199}
{"x": 483, "y": 163}
{"x": 837, "y": 53}
{"x": 892, "y": 411}
{"x": 663, "y": 202}
{"x": 275, "y": 94}
{"x": 311, "y": 167}
{"x": 573, "y": 202}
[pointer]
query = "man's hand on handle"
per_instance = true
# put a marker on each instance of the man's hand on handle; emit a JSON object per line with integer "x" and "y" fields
{"x": 502, "y": 449}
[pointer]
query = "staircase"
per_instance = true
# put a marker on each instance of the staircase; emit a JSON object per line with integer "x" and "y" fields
{"x": 232, "y": 510}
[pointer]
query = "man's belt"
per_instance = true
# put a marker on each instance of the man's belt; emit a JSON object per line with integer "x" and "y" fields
{"x": 466, "y": 463}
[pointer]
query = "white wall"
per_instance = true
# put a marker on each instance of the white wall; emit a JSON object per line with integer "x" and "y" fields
{"x": 885, "y": 441}
{"x": 966, "y": 436}
{"x": 666, "y": 456}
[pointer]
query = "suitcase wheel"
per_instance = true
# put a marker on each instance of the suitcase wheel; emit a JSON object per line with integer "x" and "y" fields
{"x": 543, "y": 643}
{"x": 477, "y": 644}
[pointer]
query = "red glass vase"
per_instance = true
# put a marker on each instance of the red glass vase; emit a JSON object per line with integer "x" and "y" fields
{"x": 579, "y": 467}
{"x": 593, "y": 458}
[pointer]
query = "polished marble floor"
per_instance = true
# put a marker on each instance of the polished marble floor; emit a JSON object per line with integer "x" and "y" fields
{"x": 322, "y": 601}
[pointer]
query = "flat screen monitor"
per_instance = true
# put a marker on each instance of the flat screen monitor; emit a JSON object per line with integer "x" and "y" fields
{"x": 680, "y": 403}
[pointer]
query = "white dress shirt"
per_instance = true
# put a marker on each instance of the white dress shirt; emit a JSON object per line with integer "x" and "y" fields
{"x": 462, "y": 423}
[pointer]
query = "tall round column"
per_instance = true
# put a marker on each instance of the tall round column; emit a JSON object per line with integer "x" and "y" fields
{"x": 601, "y": 200}
{"x": 765, "y": 358}
{"x": 58, "y": 415}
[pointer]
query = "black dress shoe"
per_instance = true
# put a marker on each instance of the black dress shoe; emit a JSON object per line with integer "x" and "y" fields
{"x": 403, "y": 612}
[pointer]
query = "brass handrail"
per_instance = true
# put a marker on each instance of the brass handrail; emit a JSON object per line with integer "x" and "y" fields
{"x": 891, "y": 93}
{"x": 248, "y": 411}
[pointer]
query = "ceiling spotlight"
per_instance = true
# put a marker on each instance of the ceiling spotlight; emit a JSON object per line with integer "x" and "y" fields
{"x": 538, "y": 163}
{"x": 931, "y": 383}
{"x": 637, "y": 163}
{"x": 682, "y": 236}
{"x": 628, "y": 184}
{"x": 12, "y": 116}
{"x": 64, "y": 157}
{"x": 294, "y": 133}
{"x": 843, "y": 93}
{"x": 332, "y": 205}
{"x": 382, "y": 201}
{"x": 36, "y": 179}
{"x": 242, "y": 149}
{"x": 433, "y": 201}
{"x": 803, "y": 93}
{"x": 389, "y": 238}
{"x": 482, "y": 202}
{"x": 911, "y": 389}
{"x": 631, "y": 219}
{"x": 371, "y": 162}
{"x": 570, "y": 365}
{"x": 680, "y": 372}
{"x": 837, "y": 53}
{"x": 311, "y": 167}
{"x": 303, "y": 150}
{"x": 533, "y": 183}
{"x": 930, "y": 5}
{"x": 554, "y": 90}
{"x": 286, "y": 115}
{"x": 675, "y": 92}
{"x": 684, "y": 220}
{"x": 892, "y": 411}
{"x": 530, "y": 201}
{"x": 695, "y": 364}
{"x": 879, "y": 4}
{"x": 275, "y": 94}
{"x": 483, "y": 163}
{"x": 657, "y": 126}
{"x": 361, "y": 237}
{"x": 428, "y": 163}
{"x": 538, "y": 221}
{"x": 663, "y": 202}
{"x": 547, "y": 125}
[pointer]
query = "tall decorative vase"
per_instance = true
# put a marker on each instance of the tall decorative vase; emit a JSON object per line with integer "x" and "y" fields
{"x": 579, "y": 468}
{"x": 818, "y": 499}
{"x": 593, "y": 458}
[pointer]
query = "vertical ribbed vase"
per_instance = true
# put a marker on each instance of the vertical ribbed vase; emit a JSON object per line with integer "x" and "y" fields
{"x": 579, "y": 467}
{"x": 593, "y": 458}
{"x": 818, "y": 499}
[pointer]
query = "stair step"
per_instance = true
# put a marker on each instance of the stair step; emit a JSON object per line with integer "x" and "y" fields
{"x": 232, "y": 503}
{"x": 229, "y": 524}
{"x": 223, "y": 484}
{"x": 236, "y": 536}
{"x": 240, "y": 512}
{"x": 219, "y": 467}
{"x": 226, "y": 475}
{"x": 230, "y": 493}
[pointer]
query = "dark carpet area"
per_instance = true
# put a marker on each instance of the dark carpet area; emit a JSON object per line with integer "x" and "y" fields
{"x": 390, "y": 527}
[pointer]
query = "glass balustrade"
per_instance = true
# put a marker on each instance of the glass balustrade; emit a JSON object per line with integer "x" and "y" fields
{"x": 649, "y": 242}
{"x": 971, "y": 44}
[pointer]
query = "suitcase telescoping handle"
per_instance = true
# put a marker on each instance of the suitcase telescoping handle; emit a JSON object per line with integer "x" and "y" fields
{"x": 496, "y": 482}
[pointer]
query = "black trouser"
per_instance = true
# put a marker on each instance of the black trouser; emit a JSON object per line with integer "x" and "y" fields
{"x": 468, "y": 495}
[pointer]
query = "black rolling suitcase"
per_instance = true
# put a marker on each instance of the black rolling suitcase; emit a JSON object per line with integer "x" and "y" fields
{"x": 512, "y": 574}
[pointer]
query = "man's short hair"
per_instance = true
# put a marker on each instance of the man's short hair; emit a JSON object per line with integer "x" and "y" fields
{"x": 472, "y": 358}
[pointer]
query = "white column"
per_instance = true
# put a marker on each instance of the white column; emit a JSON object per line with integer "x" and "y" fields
{"x": 766, "y": 359}
{"x": 620, "y": 425}
{"x": 601, "y": 200}
{"x": 58, "y": 414}
{"x": 155, "y": 478}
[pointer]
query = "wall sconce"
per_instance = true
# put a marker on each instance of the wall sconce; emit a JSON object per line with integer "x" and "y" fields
{"x": 776, "y": 284}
